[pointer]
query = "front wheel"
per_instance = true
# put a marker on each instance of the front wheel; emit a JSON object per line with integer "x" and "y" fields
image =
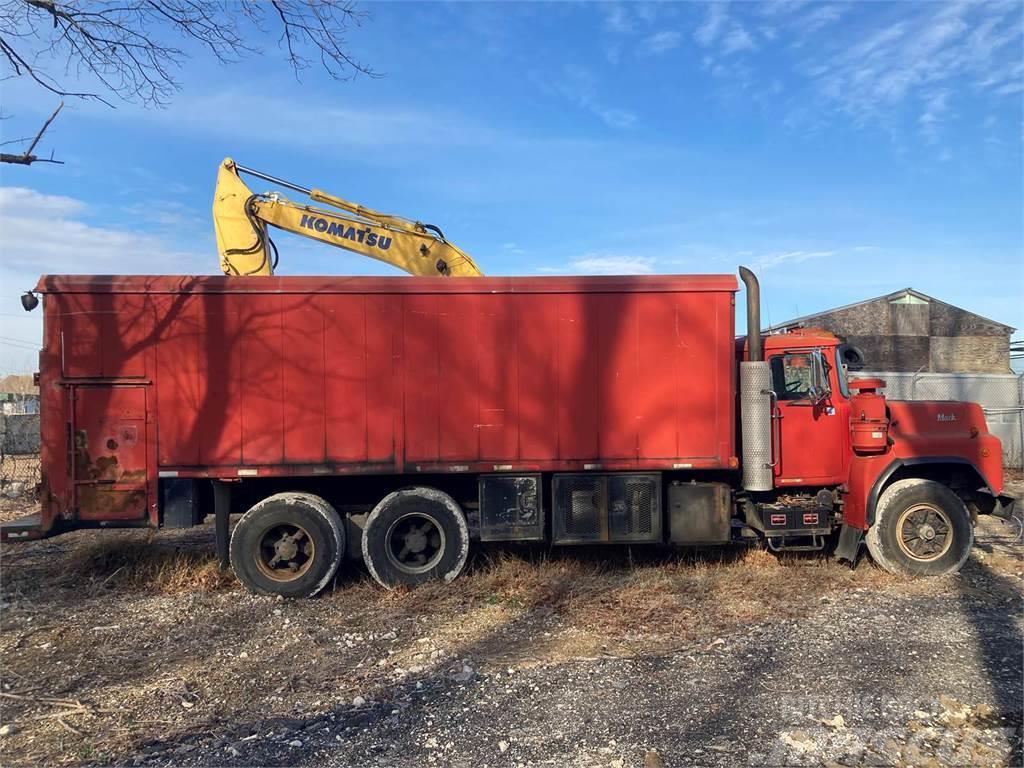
{"x": 921, "y": 528}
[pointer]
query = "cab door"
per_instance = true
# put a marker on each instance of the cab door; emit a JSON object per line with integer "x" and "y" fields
{"x": 810, "y": 421}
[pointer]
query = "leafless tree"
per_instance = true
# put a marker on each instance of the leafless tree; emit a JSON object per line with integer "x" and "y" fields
{"x": 130, "y": 50}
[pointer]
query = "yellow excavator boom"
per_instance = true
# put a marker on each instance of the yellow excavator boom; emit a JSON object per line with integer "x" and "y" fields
{"x": 241, "y": 217}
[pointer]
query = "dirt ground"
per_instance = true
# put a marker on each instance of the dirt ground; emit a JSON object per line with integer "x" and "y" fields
{"x": 133, "y": 649}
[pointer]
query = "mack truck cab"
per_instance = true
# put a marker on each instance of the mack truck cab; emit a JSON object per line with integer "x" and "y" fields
{"x": 910, "y": 477}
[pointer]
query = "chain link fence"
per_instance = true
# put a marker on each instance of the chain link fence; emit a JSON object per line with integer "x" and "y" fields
{"x": 1001, "y": 397}
{"x": 19, "y": 454}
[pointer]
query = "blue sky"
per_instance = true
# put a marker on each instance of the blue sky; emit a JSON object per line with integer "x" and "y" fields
{"x": 842, "y": 150}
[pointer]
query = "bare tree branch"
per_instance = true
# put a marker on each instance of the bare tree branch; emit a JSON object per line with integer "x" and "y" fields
{"x": 129, "y": 49}
{"x": 26, "y": 157}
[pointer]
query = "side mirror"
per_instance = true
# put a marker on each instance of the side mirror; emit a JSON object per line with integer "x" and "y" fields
{"x": 820, "y": 389}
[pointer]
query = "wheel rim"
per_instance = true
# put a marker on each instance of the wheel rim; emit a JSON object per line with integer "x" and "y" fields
{"x": 285, "y": 552}
{"x": 415, "y": 543}
{"x": 924, "y": 533}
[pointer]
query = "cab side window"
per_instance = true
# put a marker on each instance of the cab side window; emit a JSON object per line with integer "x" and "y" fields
{"x": 792, "y": 376}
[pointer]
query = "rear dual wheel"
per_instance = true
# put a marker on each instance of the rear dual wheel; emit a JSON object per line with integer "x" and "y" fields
{"x": 289, "y": 544}
{"x": 413, "y": 536}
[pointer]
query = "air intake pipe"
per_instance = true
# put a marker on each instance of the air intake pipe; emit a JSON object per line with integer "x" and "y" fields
{"x": 755, "y": 397}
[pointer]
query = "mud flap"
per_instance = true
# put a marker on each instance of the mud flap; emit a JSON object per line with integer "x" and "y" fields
{"x": 1004, "y": 507}
{"x": 849, "y": 544}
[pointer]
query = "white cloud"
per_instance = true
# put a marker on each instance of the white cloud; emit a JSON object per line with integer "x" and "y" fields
{"x": 618, "y": 20}
{"x": 820, "y": 17}
{"x": 661, "y": 42}
{"x": 907, "y": 67}
{"x": 579, "y": 86}
{"x": 310, "y": 122}
{"x": 16, "y": 199}
{"x": 44, "y": 234}
{"x": 918, "y": 56}
{"x": 615, "y": 118}
{"x": 935, "y": 109}
{"x": 778, "y": 258}
{"x": 780, "y": 7}
{"x": 613, "y": 53}
{"x": 605, "y": 264}
{"x": 738, "y": 39}
{"x": 714, "y": 21}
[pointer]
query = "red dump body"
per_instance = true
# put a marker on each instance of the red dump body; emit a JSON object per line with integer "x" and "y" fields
{"x": 229, "y": 377}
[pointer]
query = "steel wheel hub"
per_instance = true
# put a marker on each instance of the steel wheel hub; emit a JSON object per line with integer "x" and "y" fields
{"x": 415, "y": 542}
{"x": 924, "y": 532}
{"x": 285, "y": 552}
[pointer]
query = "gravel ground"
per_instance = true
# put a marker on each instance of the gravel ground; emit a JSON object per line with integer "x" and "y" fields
{"x": 745, "y": 662}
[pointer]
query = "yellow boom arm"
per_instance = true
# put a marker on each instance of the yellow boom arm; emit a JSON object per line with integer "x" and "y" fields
{"x": 240, "y": 219}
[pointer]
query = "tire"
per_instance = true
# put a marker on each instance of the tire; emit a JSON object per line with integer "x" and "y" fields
{"x": 921, "y": 528}
{"x": 414, "y": 536}
{"x": 271, "y": 557}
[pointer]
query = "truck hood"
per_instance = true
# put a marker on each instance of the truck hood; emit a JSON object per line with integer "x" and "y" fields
{"x": 924, "y": 429}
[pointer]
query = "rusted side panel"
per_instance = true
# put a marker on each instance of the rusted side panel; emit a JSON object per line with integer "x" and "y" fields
{"x": 54, "y": 432}
{"x": 110, "y": 452}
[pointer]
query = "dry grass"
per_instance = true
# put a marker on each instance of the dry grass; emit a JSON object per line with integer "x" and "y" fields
{"x": 608, "y": 596}
{"x": 99, "y": 617}
{"x": 121, "y": 562}
{"x": 584, "y": 604}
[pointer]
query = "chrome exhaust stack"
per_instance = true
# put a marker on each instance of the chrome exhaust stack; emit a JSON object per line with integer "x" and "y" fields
{"x": 755, "y": 397}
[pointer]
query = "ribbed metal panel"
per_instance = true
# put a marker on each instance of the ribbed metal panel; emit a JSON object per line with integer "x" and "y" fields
{"x": 756, "y": 425}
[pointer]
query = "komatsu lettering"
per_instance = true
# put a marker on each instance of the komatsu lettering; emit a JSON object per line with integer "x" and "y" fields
{"x": 361, "y": 235}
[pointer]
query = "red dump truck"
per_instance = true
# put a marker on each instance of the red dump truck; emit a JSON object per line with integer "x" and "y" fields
{"x": 398, "y": 420}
